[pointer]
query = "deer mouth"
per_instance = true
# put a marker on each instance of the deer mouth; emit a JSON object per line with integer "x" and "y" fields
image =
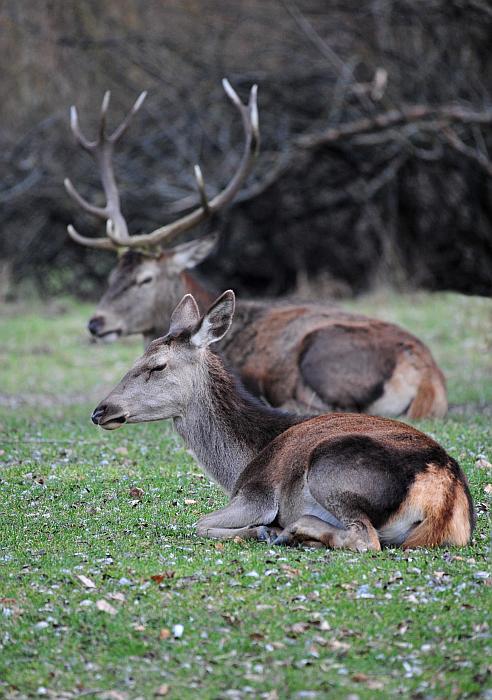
{"x": 109, "y": 336}
{"x": 113, "y": 423}
{"x": 108, "y": 422}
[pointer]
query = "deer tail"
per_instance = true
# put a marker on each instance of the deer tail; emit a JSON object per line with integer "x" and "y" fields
{"x": 431, "y": 399}
{"x": 447, "y": 508}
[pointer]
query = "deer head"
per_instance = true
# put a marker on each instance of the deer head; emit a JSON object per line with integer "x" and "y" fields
{"x": 144, "y": 286}
{"x": 172, "y": 371}
{"x": 143, "y": 289}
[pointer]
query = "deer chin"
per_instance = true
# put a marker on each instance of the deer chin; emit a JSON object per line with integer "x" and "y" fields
{"x": 114, "y": 422}
{"x": 109, "y": 336}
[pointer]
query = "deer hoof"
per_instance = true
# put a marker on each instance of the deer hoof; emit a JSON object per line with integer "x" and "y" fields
{"x": 283, "y": 539}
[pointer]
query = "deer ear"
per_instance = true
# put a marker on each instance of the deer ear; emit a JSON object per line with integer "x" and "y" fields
{"x": 185, "y": 316}
{"x": 190, "y": 254}
{"x": 216, "y": 322}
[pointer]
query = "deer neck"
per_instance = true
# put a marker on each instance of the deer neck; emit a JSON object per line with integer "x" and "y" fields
{"x": 192, "y": 285}
{"x": 225, "y": 427}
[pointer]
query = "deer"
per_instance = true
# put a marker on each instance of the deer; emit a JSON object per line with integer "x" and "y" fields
{"x": 338, "y": 480}
{"x": 304, "y": 357}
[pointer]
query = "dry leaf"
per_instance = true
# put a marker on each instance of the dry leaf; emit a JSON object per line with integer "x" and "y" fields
{"x": 483, "y": 463}
{"x": 219, "y": 546}
{"x": 164, "y": 633}
{"x": 136, "y": 492}
{"x": 190, "y": 501}
{"x": 106, "y": 607}
{"x": 162, "y": 690}
{"x": 488, "y": 488}
{"x": 335, "y": 645}
{"x": 117, "y": 596}
{"x": 298, "y": 628}
{"x": 121, "y": 450}
{"x": 289, "y": 570}
{"x": 139, "y": 628}
{"x": 86, "y": 581}
{"x": 159, "y": 578}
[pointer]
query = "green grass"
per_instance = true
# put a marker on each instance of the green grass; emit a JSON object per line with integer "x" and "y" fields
{"x": 258, "y": 621}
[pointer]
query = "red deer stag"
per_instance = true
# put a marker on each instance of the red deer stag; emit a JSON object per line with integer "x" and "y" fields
{"x": 307, "y": 357}
{"x": 339, "y": 479}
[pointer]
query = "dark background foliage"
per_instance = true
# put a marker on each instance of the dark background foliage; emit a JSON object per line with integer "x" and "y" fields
{"x": 406, "y": 204}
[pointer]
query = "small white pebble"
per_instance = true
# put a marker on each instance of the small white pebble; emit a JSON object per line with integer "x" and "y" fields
{"x": 178, "y": 631}
{"x": 41, "y": 625}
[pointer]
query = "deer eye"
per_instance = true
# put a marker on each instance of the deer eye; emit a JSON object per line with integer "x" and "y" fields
{"x": 158, "y": 368}
{"x": 145, "y": 280}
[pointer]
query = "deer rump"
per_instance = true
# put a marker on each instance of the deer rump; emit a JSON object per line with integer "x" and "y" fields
{"x": 375, "y": 484}
{"x": 327, "y": 360}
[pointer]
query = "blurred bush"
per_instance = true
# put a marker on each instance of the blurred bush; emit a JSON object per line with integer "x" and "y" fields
{"x": 403, "y": 202}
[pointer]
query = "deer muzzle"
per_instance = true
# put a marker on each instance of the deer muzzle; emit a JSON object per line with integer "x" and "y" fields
{"x": 98, "y": 328}
{"x": 109, "y": 417}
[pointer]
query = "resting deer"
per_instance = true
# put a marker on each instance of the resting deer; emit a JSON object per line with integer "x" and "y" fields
{"x": 306, "y": 357}
{"x": 340, "y": 479}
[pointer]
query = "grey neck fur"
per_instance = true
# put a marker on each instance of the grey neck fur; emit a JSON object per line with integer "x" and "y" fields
{"x": 220, "y": 453}
{"x": 225, "y": 427}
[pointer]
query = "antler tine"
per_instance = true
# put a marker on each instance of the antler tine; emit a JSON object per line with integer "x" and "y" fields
{"x": 82, "y": 202}
{"x": 99, "y": 243}
{"x": 201, "y": 187}
{"x": 79, "y": 136}
{"x": 121, "y": 129}
{"x": 249, "y": 116}
{"x": 104, "y": 112}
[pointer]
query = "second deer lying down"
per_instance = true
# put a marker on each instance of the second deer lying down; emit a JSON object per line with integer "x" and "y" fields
{"x": 306, "y": 357}
{"x": 339, "y": 480}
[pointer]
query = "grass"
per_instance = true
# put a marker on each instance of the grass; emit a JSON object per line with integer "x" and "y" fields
{"x": 258, "y": 622}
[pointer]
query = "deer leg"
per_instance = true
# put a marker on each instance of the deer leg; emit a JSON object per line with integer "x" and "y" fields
{"x": 245, "y": 517}
{"x": 360, "y": 535}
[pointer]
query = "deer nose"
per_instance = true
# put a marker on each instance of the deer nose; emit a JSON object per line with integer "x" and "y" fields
{"x": 97, "y": 414}
{"x": 95, "y": 325}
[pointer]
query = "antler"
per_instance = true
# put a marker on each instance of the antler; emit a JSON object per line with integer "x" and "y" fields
{"x": 102, "y": 150}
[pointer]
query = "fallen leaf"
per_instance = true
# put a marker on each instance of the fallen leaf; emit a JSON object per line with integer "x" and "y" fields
{"x": 121, "y": 450}
{"x": 257, "y": 636}
{"x": 298, "y": 628}
{"x": 117, "y": 596}
{"x": 483, "y": 463}
{"x": 162, "y": 690}
{"x": 488, "y": 488}
{"x": 335, "y": 645}
{"x": 86, "y": 581}
{"x": 219, "y": 546}
{"x": 164, "y": 633}
{"x": 190, "y": 501}
{"x": 159, "y": 578}
{"x": 289, "y": 570}
{"x": 139, "y": 628}
{"x": 106, "y": 607}
{"x": 136, "y": 492}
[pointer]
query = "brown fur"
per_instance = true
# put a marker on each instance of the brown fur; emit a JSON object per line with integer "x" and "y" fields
{"x": 308, "y": 358}
{"x": 444, "y": 505}
{"x": 431, "y": 400}
{"x": 341, "y": 479}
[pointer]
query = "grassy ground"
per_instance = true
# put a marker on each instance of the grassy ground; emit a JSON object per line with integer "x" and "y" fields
{"x": 256, "y": 622}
